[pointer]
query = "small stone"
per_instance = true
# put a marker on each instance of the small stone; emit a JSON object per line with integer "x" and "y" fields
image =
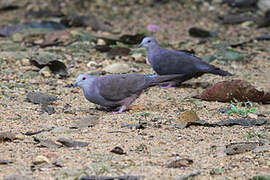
{"x": 264, "y": 5}
{"x": 101, "y": 42}
{"x": 75, "y": 32}
{"x": 46, "y": 72}
{"x": 117, "y": 68}
{"x": 138, "y": 58}
{"x": 186, "y": 117}
{"x": 70, "y": 143}
{"x": 134, "y": 126}
{"x": 40, "y": 98}
{"x": 25, "y": 62}
{"x": 61, "y": 130}
{"x": 179, "y": 163}
{"x": 19, "y": 137}
{"x": 39, "y": 41}
{"x": 105, "y": 33}
{"x": 247, "y": 24}
{"x": 48, "y": 109}
{"x": 17, "y": 37}
{"x": 118, "y": 52}
{"x": 43, "y": 59}
{"x": 7, "y": 136}
{"x": 48, "y": 143}
{"x": 88, "y": 121}
{"x": 241, "y": 147}
{"x": 51, "y": 155}
{"x": 92, "y": 64}
{"x": 40, "y": 160}
{"x": 253, "y": 116}
{"x": 5, "y": 162}
{"x": 118, "y": 150}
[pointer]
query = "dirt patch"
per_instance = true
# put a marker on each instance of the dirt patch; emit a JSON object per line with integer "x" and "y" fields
{"x": 157, "y": 142}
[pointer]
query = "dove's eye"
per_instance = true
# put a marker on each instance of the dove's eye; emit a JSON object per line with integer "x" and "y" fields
{"x": 148, "y": 41}
{"x": 84, "y": 78}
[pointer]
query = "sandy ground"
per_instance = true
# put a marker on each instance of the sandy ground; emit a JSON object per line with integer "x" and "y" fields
{"x": 149, "y": 150}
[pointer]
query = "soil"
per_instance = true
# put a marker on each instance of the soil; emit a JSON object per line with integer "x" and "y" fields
{"x": 148, "y": 151}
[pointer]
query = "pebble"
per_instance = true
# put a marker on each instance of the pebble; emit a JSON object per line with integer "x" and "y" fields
{"x": 25, "y": 62}
{"x": 46, "y": 72}
{"x": 138, "y": 58}
{"x": 61, "y": 130}
{"x": 101, "y": 42}
{"x": 247, "y": 24}
{"x": 19, "y": 137}
{"x": 40, "y": 160}
{"x": 264, "y": 5}
{"x": 253, "y": 116}
{"x": 186, "y": 117}
{"x": 117, "y": 68}
{"x": 92, "y": 64}
{"x": 17, "y": 37}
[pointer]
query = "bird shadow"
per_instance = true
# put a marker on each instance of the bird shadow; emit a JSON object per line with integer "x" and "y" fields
{"x": 105, "y": 109}
{"x": 192, "y": 85}
{"x": 195, "y": 85}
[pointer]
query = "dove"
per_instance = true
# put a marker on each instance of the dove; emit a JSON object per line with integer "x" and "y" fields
{"x": 165, "y": 62}
{"x": 120, "y": 90}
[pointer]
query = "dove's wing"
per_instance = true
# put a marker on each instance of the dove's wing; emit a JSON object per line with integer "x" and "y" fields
{"x": 174, "y": 62}
{"x": 119, "y": 87}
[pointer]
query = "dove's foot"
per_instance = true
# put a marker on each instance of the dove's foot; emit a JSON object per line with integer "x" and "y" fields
{"x": 172, "y": 84}
{"x": 122, "y": 109}
{"x": 168, "y": 86}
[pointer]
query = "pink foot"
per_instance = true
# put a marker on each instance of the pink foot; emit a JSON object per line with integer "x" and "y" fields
{"x": 166, "y": 87}
{"x": 122, "y": 109}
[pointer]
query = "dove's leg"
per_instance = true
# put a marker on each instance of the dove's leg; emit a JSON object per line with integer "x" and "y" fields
{"x": 122, "y": 109}
{"x": 126, "y": 102}
{"x": 168, "y": 86}
{"x": 172, "y": 84}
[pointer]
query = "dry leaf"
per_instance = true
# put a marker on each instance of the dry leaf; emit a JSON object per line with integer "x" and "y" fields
{"x": 239, "y": 90}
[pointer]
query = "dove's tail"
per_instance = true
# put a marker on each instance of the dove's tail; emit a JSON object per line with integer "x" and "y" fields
{"x": 220, "y": 72}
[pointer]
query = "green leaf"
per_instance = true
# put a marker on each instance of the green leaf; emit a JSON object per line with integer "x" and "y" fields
{"x": 234, "y": 108}
{"x": 252, "y": 110}
{"x": 217, "y": 171}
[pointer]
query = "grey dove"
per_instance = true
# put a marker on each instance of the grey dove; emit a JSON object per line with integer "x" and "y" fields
{"x": 118, "y": 91}
{"x": 165, "y": 62}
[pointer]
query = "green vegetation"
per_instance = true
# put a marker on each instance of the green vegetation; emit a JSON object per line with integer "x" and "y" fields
{"x": 143, "y": 114}
{"x": 260, "y": 135}
{"x": 241, "y": 111}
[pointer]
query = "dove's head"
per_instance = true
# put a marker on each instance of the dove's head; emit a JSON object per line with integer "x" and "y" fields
{"x": 83, "y": 80}
{"x": 148, "y": 43}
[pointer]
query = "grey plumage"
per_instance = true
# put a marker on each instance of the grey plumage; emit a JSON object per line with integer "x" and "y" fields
{"x": 118, "y": 91}
{"x": 165, "y": 62}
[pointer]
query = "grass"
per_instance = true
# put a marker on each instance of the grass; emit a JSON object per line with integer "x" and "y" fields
{"x": 235, "y": 109}
{"x": 260, "y": 135}
{"x": 217, "y": 171}
{"x": 143, "y": 114}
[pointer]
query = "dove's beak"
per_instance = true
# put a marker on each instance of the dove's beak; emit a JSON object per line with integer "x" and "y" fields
{"x": 75, "y": 85}
{"x": 140, "y": 45}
